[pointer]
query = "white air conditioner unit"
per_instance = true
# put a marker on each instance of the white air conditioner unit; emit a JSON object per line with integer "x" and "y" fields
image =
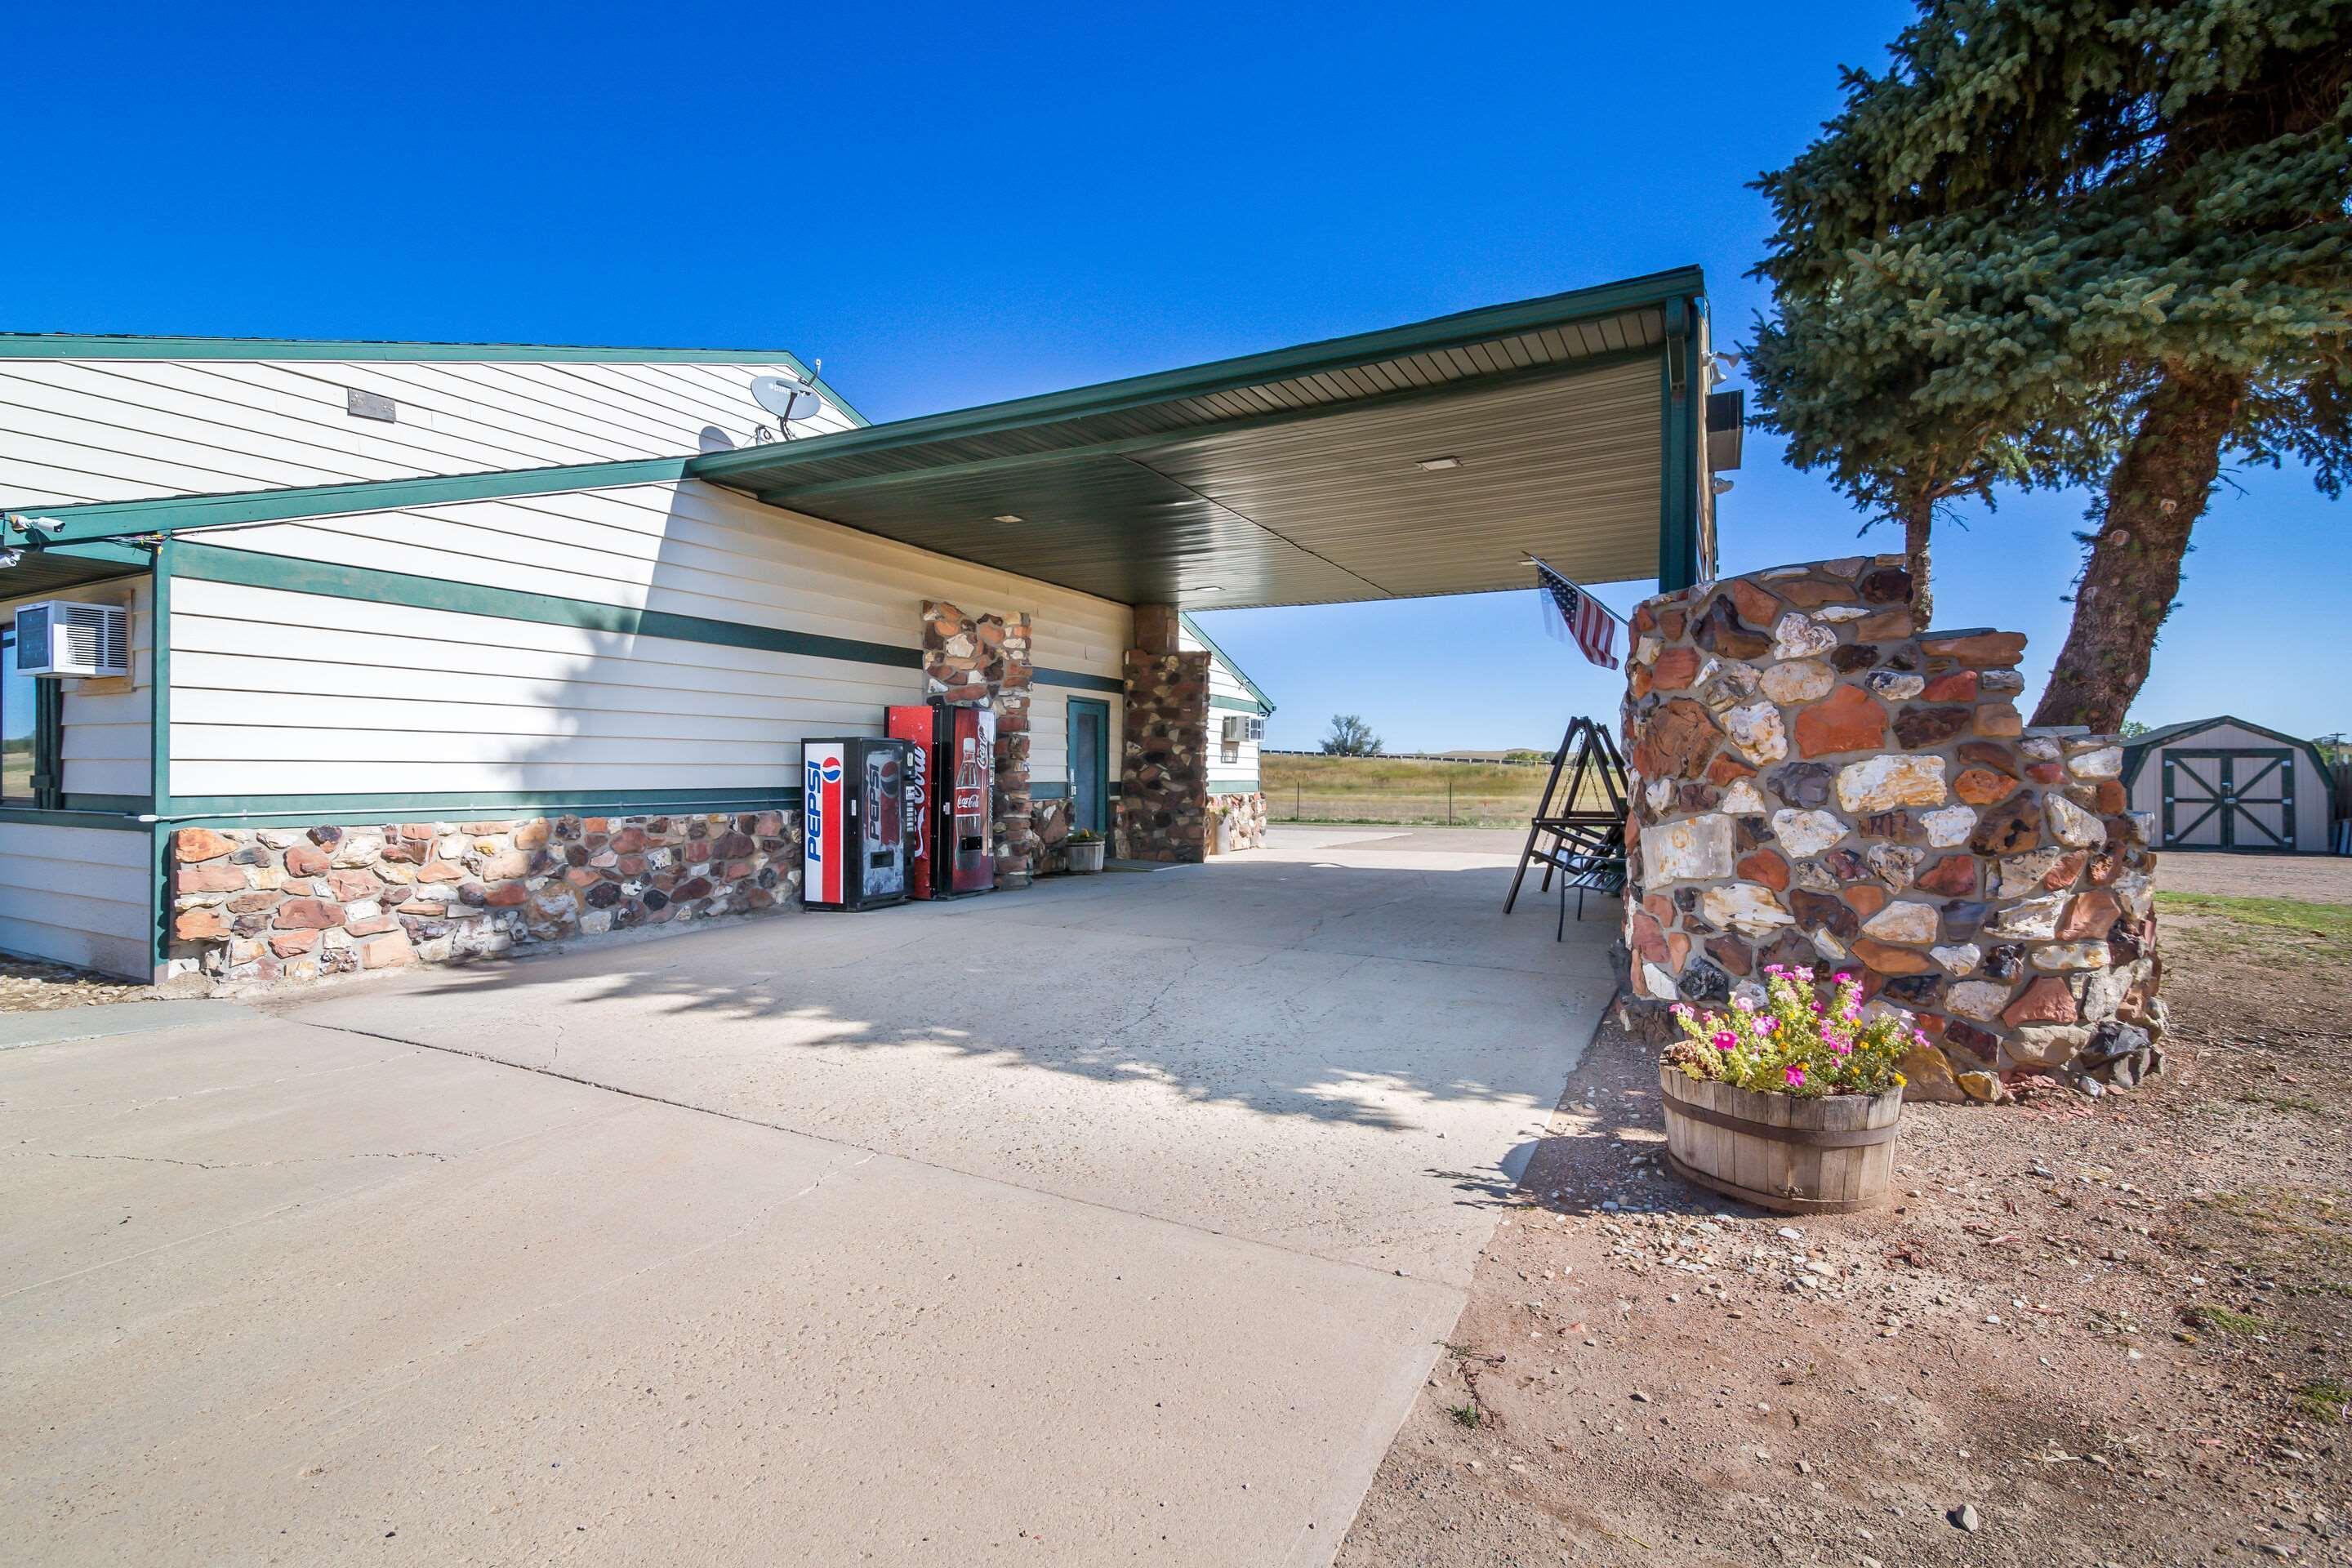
{"x": 1240, "y": 727}
{"x": 59, "y": 637}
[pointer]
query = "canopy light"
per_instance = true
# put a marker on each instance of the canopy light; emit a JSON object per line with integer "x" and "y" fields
{"x": 1006, "y": 517}
{"x": 1431, "y": 465}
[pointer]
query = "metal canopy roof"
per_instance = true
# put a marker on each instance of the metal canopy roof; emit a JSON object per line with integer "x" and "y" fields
{"x": 1295, "y": 477}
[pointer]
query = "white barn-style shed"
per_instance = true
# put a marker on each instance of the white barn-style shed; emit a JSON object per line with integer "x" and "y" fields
{"x": 2226, "y": 783}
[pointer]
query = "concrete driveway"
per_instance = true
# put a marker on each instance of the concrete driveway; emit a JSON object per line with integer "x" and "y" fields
{"x": 1115, "y": 1220}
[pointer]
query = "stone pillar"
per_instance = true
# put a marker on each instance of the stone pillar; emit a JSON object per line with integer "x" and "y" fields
{"x": 986, "y": 660}
{"x": 1823, "y": 784}
{"x": 1156, "y": 629}
{"x": 1164, "y": 806}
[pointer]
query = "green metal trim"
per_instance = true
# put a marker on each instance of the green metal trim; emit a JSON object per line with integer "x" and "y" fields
{"x": 1681, "y": 413}
{"x": 255, "y": 568}
{"x": 159, "y": 896}
{"x": 94, "y": 521}
{"x": 124, "y": 805}
{"x": 296, "y": 810}
{"x": 1656, "y": 288}
{"x": 1239, "y": 705}
{"x": 1078, "y": 679}
{"x": 159, "y": 743}
{"x": 1248, "y": 786}
{"x": 131, "y": 346}
{"x": 1266, "y": 703}
{"x": 1050, "y": 790}
{"x": 69, "y": 817}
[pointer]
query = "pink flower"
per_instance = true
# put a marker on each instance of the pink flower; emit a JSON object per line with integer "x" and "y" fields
{"x": 1842, "y": 1047}
{"x": 1845, "y": 979}
{"x": 1920, "y": 1035}
{"x": 1766, "y": 1026}
{"x": 1725, "y": 1039}
{"x": 1743, "y": 1004}
{"x": 1681, "y": 1010}
{"x": 1819, "y": 1010}
{"x": 1852, "y": 1015}
{"x": 1796, "y": 1075}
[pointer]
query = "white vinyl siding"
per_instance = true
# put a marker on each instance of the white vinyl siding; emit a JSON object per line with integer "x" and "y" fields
{"x": 112, "y": 430}
{"x": 75, "y": 895}
{"x": 103, "y": 743}
{"x": 1240, "y": 774}
{"x": 295, "y": 693}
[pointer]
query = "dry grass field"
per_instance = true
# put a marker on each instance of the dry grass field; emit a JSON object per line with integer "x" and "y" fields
{"x": 1301, "y": 788}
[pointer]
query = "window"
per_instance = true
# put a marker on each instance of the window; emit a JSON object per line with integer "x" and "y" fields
{"x": 28, "y": 732}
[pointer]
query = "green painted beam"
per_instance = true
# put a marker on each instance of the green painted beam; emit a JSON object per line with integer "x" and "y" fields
{"x": 166, "y": 515}
{"x": 1266, "y": 703}
{"x": 72, "y": 817}
{"x": 254, "y": 569}
{"x": 1078, "y": 680}
{"x": 1681, "y": 412}
{"x": 300, "y": 810}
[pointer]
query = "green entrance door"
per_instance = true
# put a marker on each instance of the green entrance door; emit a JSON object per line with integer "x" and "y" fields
{"x": 1089, "y": 764}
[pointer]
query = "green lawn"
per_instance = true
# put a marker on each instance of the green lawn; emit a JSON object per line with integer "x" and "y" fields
{"x": 2325, "y": 927}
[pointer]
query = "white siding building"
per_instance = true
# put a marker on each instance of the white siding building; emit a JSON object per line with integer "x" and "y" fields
{"x": 461, "y": 585}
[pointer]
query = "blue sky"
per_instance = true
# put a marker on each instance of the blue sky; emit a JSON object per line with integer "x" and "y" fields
{"x": 957, "y": 204}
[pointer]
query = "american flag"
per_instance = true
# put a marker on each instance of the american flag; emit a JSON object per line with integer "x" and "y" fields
{"x": 1570, "y": 613}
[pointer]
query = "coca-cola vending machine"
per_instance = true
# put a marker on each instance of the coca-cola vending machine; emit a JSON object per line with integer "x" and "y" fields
{"x": 949, "y": 853}
{"x": 854, "y": 813}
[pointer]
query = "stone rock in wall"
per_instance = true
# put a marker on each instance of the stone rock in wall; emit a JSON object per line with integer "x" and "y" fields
{"x": 1804, "y": 785}
{"x": 1720, "y": 631}
{"x": 1741, "y": 799}
{"x": 1757, "y": 730}
{"x": 1799, "y": 680}
{"x": 1803, "y": 834}
{"x": 1883, "y": 783}
{"x": 1916, "y": 729}
{"x": 1962, "y": 959}
{"x": 1983, "y": 786}
{"x": 2066, "y": 955}
{"x": 1888, "y": 959}
{"x": 1847, "y": 721}
{"x": 2034, "y": 920}
{"x": 1801, "y": 637}
{"x": 1950, "y": 827}
{"x": 2045, "y": 1001}
{"x": 1981, "y": 1000}
{"x": 1698, "y": 850}
{"x": 1978, "y": 649}
{"x": 1676, "y": 742}
{"x": 1744, "y": 906}
{"x": 2102, "y": 763}
{"x": 1896, "y": 864}
{"x": 1906, "y": 922}
{"x": 2071, "y": 825}
{"x": 2007, "y": 830}
{"x": 1928, "y": 1078}
{"x": 1894, "y": 686}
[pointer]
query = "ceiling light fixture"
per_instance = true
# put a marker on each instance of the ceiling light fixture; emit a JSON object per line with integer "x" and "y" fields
{"x": 1431, "y": 465}
{"x": 1006, "y": 517}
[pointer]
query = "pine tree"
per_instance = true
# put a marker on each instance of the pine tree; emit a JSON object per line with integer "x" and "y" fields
{"x": 2063, "y": 243}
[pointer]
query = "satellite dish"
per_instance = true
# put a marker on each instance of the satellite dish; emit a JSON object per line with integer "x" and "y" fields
{"x": 787, "y": 398}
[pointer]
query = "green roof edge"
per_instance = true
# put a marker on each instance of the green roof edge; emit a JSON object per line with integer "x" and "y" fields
{"x": 1245, "y": 369}
{"x": 1184, "y": 618}
{"x": 2136, "y": 749}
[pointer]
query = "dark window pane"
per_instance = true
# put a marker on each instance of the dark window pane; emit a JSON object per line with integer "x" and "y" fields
{"x": 18, "y": 705}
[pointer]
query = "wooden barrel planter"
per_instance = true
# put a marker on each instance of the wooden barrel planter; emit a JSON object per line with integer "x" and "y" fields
{"x": 1831, "y": 1155}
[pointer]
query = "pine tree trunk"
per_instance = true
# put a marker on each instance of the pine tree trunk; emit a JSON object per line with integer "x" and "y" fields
{"x": 1919, "y": 516}
{"x": 2154, "y": 497}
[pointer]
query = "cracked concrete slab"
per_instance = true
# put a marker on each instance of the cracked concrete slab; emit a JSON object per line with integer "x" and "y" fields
{"x": 1082, "y": 1226}
{"x": 1328, "y": 1047}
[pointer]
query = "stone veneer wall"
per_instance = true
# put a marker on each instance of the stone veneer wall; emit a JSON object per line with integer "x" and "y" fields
{"x": 986, "y": 660}
{"x": 1819, "y": 783}
{"x": 1245, "y": 819}
{"x": 1163, "y": 803}
{"x": 275, "y": 904}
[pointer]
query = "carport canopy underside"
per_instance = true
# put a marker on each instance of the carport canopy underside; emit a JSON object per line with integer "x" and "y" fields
{"x": 1308, "y": 475}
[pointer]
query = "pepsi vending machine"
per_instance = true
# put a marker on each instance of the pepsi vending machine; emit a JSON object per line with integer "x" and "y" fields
{"x": 954, "y": 770}
{"x": 854, "y": 816}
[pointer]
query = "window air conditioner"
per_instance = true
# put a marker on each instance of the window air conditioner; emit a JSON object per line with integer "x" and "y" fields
{"x": 60, "y": 637}
{"x": 1240, "y": 727}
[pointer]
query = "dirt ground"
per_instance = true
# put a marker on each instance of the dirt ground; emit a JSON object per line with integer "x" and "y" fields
{"x": 2090, "y": 1332}
{"x": 31, "y": 985}
{"x": 2316, "y": 879}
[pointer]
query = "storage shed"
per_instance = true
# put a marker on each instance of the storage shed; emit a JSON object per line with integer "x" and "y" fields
{"x": 2226, "y": 783}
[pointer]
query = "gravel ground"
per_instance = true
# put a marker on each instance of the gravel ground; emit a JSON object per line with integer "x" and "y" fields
{"x": 30, "y": 985}
{"x": 2314, "y": 878}
{"x": 2083, "y": 1333}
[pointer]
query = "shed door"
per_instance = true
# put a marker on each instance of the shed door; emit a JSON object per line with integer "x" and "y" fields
{"x": 2229, "y": 800}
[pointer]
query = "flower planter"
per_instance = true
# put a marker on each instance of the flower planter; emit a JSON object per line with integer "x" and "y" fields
{"x": 1829, "y": 1155}
{"x": 1086, "y": 859}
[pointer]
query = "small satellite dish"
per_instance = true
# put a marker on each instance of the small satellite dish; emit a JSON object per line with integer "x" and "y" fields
{"x": 786, "y": 397}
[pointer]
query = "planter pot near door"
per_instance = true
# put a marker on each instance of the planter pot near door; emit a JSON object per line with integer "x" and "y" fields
{"x": 1086, "y": 859}
{"x": 1827, "y": 1155}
